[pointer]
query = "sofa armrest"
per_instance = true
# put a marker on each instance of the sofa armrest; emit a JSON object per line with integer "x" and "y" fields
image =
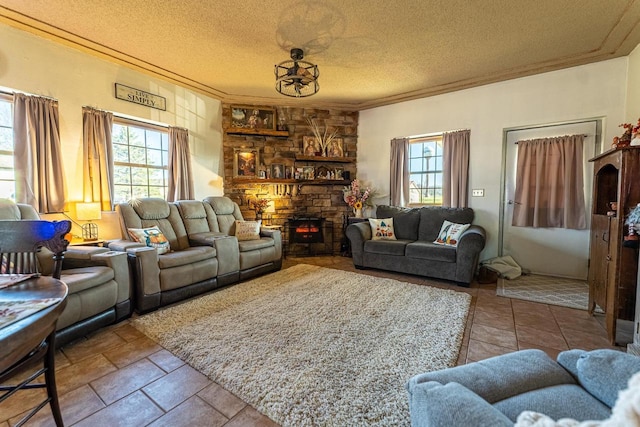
{"x": 205, "y": 239}
{"x": 118, "y": 262}
{"x": 80, "y": 256}
{"x": 603, "y": 373}
{"x": 146, "y": 277}
{"x": 276, "y": 235}
{"x": 432, "y": 404}
{"x": 123, "y": 245}
{"x": 358, "y": 233}
{"x": 471, "y": 243}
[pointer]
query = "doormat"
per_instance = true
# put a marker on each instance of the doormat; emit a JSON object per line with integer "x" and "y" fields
{"x": 551, "y": 290}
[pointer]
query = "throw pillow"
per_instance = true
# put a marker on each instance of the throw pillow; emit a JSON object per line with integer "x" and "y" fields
{"x": 151, "y": 237}
{"x": 382, "y": 229}
{"x": 248, "y": 230}
{"x": 450, "y": 233}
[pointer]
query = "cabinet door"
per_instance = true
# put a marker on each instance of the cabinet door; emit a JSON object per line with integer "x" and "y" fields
{"x": 599, "y": 261}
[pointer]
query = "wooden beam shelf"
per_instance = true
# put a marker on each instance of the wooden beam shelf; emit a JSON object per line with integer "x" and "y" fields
{"x": 258, "y": 132}
{"x": 325, "y": 159}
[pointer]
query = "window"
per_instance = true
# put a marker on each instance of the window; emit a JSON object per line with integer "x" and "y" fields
{"x": 7, "y": 173}
{"x": 140, "y": 158}
{"x": 425, "y": 171}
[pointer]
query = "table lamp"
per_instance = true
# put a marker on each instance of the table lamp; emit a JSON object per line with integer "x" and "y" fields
{"x": 89, "y": 212}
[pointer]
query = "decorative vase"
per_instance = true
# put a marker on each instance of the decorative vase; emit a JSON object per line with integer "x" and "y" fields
{"x": 258, "y": 216}
{"x": 357, "y": 212}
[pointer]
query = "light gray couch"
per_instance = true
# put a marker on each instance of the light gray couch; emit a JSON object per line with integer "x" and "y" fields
{"x": 204, "y": 253}
{"x": 98, "y": 282}
{"x": 581, "y": 385}
{"x": 414, "y": 251}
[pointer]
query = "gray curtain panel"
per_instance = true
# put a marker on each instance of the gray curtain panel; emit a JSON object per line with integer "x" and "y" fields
{"x": 455, "y": 169}
{"x": 550, "y": 183}
{"x": 180, "y": 176}
{"x": 97, "y": 157}
{"x": 37, "y": 153}
{"x": 399, "y": 184}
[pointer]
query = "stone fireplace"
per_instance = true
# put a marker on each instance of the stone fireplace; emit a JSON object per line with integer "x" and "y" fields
{"x": 294, "y": 195}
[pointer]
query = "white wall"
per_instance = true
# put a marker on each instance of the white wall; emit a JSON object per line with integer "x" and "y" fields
{"x": 594, "y": 90}
{"x": 633, "y": 87}
{"x": 38, "y": 66}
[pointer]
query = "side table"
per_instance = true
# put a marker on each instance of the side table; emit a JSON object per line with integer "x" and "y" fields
{"x": 345, "y": 247}
{"x": 31, "y": 339}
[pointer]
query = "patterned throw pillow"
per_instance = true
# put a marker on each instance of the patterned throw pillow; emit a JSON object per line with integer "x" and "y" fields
{"x": 151, "y": 237}
{"x": 382, "y": 229}
{"x": 450, "y": 233}
{"x": 248, "y": 230}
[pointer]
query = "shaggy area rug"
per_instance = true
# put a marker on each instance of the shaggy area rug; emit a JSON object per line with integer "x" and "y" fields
{"x": 312, "y": 346}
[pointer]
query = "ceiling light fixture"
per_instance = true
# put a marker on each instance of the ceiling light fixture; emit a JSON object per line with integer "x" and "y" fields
{"x": 295, "y": 77}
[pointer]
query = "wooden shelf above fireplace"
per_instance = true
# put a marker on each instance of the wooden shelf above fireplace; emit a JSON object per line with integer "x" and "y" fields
{"x": 258, "y": 132}
{"x": 300, "y": 158}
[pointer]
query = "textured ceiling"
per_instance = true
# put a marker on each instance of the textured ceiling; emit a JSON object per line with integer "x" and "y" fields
{"x": 369, "y": 52}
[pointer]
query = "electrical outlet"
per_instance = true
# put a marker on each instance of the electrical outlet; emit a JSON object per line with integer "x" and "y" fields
{"x": 479, "y": 192}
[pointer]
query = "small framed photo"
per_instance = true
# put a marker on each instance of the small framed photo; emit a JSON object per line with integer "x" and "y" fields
{"x": 308, "y": 172}
{"x": 310, "y": 146}
{"x": 245, "y": 162}
{"x": 247, "y": 117}
{"x": 335, "y": 148}
{"x": 277, "y": 171}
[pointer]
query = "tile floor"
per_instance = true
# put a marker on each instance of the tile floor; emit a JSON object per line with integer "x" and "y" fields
{"x": 119, "y": 377}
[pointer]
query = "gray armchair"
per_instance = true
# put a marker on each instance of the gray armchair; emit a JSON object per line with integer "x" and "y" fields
{"x": 98, "y": 282}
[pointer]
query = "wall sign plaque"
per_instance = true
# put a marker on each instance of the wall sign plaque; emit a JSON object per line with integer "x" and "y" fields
{"x": 138, "y": 96}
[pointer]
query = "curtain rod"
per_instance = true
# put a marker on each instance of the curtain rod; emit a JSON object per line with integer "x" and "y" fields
{"x": 578, "y": 134}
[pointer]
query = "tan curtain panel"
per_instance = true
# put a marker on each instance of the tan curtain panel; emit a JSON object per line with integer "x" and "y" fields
{"x": 455, "y": 168}
{"x": 180, "y": 176}
{"x": 399, "y": 184}
{"x": 97, "y": 157}
{"x": 550, "y": 183}
{"x": 37, "y": 153}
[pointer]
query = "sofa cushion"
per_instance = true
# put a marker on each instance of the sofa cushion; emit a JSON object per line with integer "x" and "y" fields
{"x": 252, "y": 245}
{"x": 405, "y": 220}
{"x": 386, "y": 247}
{"x": 431, "y": 251}
{"x": 186, "y": 256}
{"x": 81, "y": 279}
{"x": 382, "y": 229}
{"x": 559, "y": 401}
{"x": 450, "y": 233}
{"x": 432, "y": 217}
{"x": 152, "y": 237}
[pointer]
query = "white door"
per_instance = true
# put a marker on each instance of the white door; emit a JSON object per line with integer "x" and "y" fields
{"x": 550, "y": 251}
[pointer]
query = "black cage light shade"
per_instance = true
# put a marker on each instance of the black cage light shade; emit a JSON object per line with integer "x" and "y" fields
{"x": 295, "y": 77}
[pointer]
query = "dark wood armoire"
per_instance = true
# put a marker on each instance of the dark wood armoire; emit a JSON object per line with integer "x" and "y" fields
{"x": 613, "y": 261}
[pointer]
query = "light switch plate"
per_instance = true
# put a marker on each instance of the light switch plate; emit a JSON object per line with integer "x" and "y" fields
{"x": 478, "y": 192}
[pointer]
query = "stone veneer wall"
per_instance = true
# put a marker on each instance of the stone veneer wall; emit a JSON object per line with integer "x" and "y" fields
{"x": 307, "y": 200}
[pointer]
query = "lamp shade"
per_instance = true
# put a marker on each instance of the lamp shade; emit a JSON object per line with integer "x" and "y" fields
{"x": 88, "y": 211}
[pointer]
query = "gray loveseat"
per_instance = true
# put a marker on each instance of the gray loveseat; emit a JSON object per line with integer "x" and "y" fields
{"x": 414, "y": 251}
{"x": 581, "y": 385}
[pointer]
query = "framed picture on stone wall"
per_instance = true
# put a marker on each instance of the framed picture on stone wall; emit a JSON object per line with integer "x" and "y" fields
{"x": 245, "y": 162}
{"x": 253, "y": 118}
